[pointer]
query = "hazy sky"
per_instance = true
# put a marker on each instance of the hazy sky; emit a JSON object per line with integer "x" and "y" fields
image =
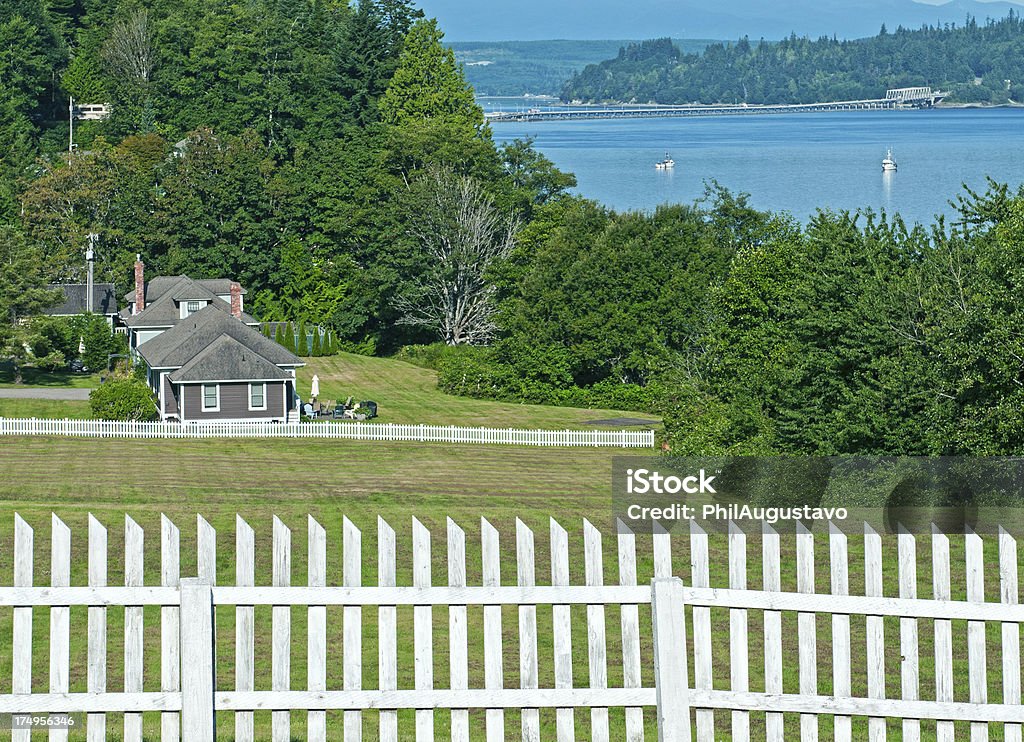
{"x": 500, "y": 20}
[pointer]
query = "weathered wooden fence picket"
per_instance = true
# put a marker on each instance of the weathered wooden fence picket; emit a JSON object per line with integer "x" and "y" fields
{"x": 358, "y": 431}
{"x": 682, "y": 705}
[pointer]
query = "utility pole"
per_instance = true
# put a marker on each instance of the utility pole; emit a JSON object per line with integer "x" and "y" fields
{"x": 90, "y": 257}
{"x": 71, "y": 125}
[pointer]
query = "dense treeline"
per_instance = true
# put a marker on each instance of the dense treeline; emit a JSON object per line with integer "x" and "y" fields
{"x": 978, "y": 63}
{"x": 754, "y": 335}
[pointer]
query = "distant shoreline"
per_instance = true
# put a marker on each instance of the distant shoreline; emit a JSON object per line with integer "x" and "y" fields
{"x": 554, "y": 101}
{"x": 981, "y": 105}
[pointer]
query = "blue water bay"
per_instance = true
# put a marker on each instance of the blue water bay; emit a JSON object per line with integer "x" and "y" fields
{"x": 796, "y": 163}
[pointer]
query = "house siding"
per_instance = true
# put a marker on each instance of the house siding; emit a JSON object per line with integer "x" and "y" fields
{"x": 234, "y": 402}
{"x": 169, "y": 398}
{"x": 141, "y": 336}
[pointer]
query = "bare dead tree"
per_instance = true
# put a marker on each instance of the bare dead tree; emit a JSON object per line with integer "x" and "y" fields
{"x": 128, "y": 51}
{"x": 462, "y": 234}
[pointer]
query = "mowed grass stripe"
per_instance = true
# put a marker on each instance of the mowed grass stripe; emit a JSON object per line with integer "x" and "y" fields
{"x": 93, "y": 472}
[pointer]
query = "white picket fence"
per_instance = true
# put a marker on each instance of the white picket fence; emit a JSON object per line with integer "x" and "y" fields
{"x": 358, "y": 431}
{"x": 189, "y": 699}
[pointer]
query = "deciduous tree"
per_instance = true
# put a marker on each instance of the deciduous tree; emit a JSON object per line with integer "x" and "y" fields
{"x": 462, "y": 235}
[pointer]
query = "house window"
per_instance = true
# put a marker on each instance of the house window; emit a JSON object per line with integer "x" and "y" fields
{"x": 193, "y": 307}
{"x": 257, "y": 396}
{"x": 211, "y": 398}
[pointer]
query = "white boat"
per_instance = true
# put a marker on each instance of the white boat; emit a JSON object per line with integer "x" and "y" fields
{"x": 888, "y": 164}
{"x": 666, "y": 164}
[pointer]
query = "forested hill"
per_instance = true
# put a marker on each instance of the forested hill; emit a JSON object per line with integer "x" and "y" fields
{"x": 977, "y": 63}
{"x": 288, "y": 144}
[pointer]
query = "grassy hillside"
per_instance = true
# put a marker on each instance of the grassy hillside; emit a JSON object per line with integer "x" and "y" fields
{"x": 409, "y": 394}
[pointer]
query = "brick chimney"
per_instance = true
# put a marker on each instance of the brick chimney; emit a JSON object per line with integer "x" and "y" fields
{"x": 140, "y": 285}
{"x": 236, "y": 300}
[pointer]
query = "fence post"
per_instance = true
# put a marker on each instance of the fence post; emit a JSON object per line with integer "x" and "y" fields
{"x": 197, "y": 661}
{"x": 670, "y": 660}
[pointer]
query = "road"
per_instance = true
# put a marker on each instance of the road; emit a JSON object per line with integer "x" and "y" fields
{"x": 37, "y": 392}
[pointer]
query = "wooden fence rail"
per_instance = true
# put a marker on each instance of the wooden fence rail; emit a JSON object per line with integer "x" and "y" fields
{"x": 189, "y": 698}
{"x": 330, "y": 430}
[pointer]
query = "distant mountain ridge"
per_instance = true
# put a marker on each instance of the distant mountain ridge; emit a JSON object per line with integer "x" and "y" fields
{"x": 502, "y": 20}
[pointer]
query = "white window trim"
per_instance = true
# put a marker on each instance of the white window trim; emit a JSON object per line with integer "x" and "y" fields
{"x": 264, "y": 407}
{"x": 186, "y": 312}
{"x": 202, "y": 396}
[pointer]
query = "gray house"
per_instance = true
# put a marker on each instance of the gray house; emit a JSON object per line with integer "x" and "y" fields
{"x": 156, "y": 306}
{"x": 77, "y": 301}
{"x": 204, "y": 357}
{"x": 213, "y": 366}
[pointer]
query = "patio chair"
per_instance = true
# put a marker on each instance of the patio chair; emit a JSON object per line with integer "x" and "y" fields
{"x": 328, "y": 408}
{"x": 307, "y": 409}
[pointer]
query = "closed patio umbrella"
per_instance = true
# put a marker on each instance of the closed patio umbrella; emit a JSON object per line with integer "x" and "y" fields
{"x": 315, "y": 388}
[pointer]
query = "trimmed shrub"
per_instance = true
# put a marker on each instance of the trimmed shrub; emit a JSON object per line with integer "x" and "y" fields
{"x": 123, "y": 398}
{"x": 479, "y": 373}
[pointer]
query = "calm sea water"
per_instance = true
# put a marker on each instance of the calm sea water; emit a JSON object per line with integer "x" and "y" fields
{"x": 796, "y": 163}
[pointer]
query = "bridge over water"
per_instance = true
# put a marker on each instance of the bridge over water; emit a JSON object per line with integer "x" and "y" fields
{"x": 899, "y": 98}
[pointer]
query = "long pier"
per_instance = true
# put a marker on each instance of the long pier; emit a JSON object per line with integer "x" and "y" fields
{"x": 901, "y": 98}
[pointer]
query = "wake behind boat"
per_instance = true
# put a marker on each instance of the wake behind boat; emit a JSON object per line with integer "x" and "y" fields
{"x": 667, "y": 164}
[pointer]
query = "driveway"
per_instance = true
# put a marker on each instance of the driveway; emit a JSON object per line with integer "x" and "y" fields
{"x": 37, "y": 392}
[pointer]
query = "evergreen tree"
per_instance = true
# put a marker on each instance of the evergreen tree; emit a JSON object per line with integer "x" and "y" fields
{"x": 23, "y": 292}
{"x": 431, "y": 111}
{"x": 428, "y": 83}
{"x": 317, "y": 349}
{"x": 279, "y": 336}
{"x": 372, "y": 42}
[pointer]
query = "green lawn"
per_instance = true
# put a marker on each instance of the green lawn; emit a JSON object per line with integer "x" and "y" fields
{"x": 409, "y": 394}
{"x": 331, "y": 480}
{"x": 45, "y": 408}
{"x": 335, "y": 479}
{"x": 35, "y": 377}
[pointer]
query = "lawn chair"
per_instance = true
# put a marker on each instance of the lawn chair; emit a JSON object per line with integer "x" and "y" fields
{"x": 344, "y": 412}
{"x": 316, "y": 408}
{"x": 328, "y": 408}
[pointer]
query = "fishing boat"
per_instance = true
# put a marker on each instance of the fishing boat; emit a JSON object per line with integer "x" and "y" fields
{"x": 667, "y": 164}
{"x": 888, "y": 164}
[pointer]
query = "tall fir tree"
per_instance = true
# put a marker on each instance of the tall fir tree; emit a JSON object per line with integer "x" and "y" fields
{"x": 431, "y": 112}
